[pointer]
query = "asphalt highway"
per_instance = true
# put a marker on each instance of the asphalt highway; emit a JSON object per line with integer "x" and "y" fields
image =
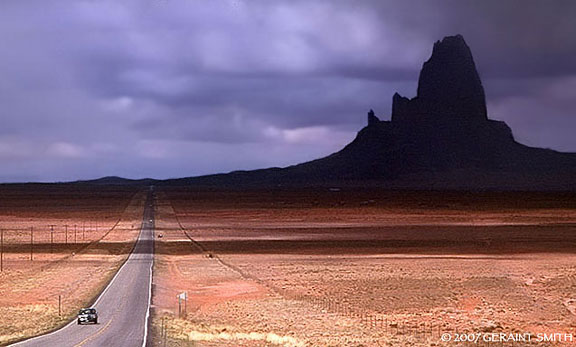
{"x": 124, "y": 305}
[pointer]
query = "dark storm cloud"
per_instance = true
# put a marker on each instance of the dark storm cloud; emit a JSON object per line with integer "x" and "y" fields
{"x": 183, "y": 87}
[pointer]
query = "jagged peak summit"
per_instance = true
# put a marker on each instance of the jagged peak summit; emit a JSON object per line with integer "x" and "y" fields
{"x": 372, "y": 119}
{"x": 449, "y": 87}
{"x": 451, "y": 44}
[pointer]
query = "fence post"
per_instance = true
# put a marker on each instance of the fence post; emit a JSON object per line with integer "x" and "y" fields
{"x": 59, "y": 306}
{"x": 66, "y": 233}
{"x": 164, "y": 331}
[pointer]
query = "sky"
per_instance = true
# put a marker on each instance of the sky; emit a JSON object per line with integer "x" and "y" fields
{"x": 177, "y": 88}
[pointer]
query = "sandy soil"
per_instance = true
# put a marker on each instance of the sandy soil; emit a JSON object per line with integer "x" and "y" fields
{"x": 29, "y": 289}
{"x": 363, "y": 268}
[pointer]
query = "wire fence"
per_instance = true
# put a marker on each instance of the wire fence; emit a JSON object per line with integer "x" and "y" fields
{"x": 387, "y": 323}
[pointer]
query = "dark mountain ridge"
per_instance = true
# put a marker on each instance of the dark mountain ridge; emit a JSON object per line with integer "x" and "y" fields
{"x": 115, "y": 180}
{"x": 440, "y": 139}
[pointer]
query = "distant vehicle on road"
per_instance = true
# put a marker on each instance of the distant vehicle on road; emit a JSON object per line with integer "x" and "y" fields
{"x": 88, "y": 315}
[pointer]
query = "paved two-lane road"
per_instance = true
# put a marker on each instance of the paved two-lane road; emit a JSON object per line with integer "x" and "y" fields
{"x": 123, "y": 307}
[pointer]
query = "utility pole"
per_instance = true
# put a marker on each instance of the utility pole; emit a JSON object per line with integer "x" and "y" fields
{"x": 1, "y": 249}
{"x": 31, "y": 243}
{"x": 51, "y": 239}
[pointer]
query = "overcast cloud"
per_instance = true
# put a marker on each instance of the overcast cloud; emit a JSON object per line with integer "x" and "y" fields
{"x": 173, "y": 88}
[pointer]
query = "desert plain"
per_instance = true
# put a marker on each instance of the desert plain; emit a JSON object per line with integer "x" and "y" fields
{"x": 316, "y": 267}
{"x": 334, "y": 267}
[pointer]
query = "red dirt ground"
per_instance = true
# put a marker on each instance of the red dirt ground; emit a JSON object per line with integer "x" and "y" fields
{"x": 366, "y": 268}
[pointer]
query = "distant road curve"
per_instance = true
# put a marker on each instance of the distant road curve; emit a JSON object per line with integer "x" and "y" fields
{"x": 124, "y": 305}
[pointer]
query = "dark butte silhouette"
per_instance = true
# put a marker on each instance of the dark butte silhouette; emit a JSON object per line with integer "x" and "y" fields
{"x": 440, "y": 139}
{"x": 449, "y": 88}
